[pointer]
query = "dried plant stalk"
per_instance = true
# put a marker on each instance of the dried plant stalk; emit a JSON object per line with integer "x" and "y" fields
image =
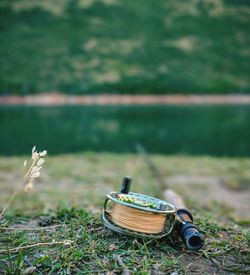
{"x": 33, "y": 172}
{"x": 52, "y": 227}
{"x": 19, "y": 248}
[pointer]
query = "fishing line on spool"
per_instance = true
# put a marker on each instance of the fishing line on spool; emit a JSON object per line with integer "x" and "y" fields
{"x": 137, "y": 220}
{"x": 138, "y": 215}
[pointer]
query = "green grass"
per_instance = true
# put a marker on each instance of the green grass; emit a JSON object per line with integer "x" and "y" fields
{"x": 112, "y": 46}
{"x": 93, "y": 249}
{"x": 70, "y": 194}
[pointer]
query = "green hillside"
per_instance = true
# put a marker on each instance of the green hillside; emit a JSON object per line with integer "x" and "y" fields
{"x": 115, "y": 46}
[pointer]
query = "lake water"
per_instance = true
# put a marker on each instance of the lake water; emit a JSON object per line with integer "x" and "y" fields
{"x": 196, "y": 130}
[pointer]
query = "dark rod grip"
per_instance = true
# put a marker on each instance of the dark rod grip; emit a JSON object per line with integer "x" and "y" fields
{"x": 126, "y": 185}
{"x": 189, "y": 233}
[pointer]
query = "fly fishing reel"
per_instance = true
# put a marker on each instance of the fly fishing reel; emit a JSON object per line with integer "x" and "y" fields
{"x": 136, "y": 214}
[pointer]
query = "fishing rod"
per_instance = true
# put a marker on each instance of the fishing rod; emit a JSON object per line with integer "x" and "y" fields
{"x": 192, "y": 238}
{"x": 140, "y": 215}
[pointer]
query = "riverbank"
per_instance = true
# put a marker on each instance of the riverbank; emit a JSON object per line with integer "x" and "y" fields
{"x": 82, "y": 179}
{"x": 48, "y": 99}
{"x": 47, "y": 238}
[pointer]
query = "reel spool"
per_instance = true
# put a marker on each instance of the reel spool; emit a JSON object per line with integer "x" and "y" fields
{"x": 136, "y": 214}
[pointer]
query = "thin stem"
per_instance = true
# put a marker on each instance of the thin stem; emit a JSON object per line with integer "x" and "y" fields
{"x": 9, "y": 202}
{"x": 30, "y": 228}
{"x": 16, "y": 249}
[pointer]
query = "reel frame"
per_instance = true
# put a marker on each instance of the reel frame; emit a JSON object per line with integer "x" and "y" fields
{"x": 169, "y": 210}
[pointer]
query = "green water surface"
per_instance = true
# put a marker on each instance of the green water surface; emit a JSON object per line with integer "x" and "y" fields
{"x": 198, "y": 130}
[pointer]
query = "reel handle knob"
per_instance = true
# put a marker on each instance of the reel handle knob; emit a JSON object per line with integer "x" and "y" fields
{"x": 126, "y": 185}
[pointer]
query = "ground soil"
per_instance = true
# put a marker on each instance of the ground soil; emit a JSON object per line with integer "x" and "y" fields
{"x": 210, "y": 189}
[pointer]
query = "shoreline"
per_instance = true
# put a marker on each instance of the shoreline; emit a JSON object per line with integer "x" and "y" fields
{"x": 55, "y": 99}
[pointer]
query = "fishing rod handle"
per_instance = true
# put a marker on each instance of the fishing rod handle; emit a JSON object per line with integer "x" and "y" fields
{"x": 189, "y": 233}
{"x": 173, "y": 198}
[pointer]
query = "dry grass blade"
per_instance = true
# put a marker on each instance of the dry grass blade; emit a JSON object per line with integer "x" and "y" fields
{"x": 17, "y": 249}
{"x": 32, "y": 228}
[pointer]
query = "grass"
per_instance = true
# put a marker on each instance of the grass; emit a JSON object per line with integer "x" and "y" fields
{"x": 111, "y": 46}
{"x": 94, "y": 249}
{"x": 57, "y": 229}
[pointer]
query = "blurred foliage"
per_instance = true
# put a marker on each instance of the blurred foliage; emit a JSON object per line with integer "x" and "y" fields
{"x": 114, "y": 46}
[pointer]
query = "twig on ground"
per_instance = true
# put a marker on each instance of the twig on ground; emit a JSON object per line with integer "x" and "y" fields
{"x": 16, "y": 249}
{"x": 31, "y": 228}
{"x": 119, "y": 260}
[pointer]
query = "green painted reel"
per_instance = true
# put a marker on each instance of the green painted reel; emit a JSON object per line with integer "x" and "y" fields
{"x": 140, "y": 202}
